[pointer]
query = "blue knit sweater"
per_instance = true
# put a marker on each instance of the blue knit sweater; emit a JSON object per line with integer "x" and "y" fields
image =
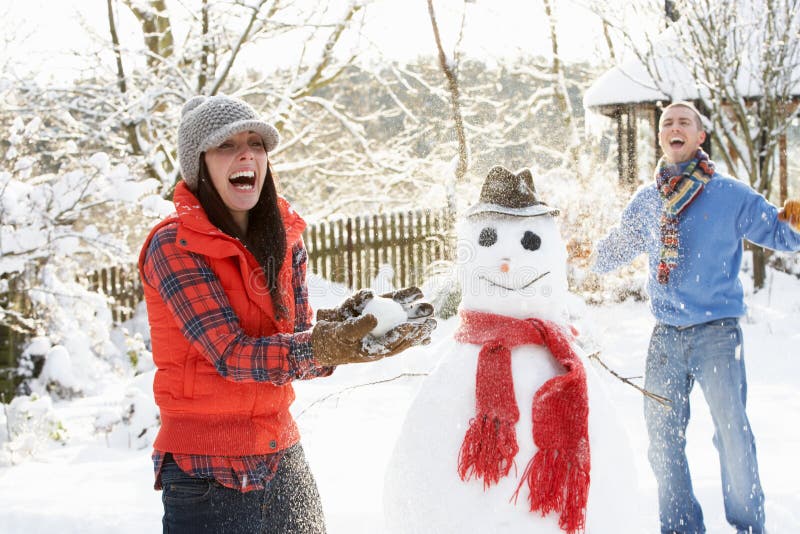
{"x": 705, "y": 285}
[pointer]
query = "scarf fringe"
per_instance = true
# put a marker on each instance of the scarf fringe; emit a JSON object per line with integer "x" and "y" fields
{"x": 488, "y": 450}
{"x": 557, "y": 484}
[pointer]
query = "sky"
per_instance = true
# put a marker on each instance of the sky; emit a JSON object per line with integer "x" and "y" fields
{"x": 47, "y": 34}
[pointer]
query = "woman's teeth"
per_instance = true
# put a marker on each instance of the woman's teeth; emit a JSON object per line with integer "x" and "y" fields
{"x": 244, "y": 180}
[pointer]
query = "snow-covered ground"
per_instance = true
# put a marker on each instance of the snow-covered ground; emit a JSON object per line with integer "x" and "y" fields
{"x": 350, "y": 421}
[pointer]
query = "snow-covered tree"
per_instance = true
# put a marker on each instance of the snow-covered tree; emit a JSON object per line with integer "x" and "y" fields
{"x": 58, "y": 227}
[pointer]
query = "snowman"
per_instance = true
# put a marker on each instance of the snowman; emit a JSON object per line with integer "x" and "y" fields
{"x": 513, "y": 430}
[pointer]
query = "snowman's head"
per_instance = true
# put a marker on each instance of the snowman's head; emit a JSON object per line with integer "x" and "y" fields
{"x": 511, "y": 257}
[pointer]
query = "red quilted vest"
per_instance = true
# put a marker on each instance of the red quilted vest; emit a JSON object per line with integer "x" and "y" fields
{"x": 202, "y": 412}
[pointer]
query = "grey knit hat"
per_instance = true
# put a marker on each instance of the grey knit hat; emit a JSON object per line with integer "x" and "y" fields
{"x": 206, "y": 121}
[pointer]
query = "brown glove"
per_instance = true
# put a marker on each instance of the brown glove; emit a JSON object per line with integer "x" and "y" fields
{"x": 351, "y": 307}
{"x": 791, "y": 213}
{"x": 408, "y": 298}
{"x": 340, "y": 342}
{"x": 354, "y": 305}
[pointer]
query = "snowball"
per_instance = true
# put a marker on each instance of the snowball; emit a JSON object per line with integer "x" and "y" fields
{"x": 67, "y": 245}
{"x": 156, "y": 205}
{"x": 100, "y": 161}
{"x": 38, "y": 346}
{"x": 121, "y": 173}
{"x": 24, "y": 410}
{"x": 33, "y": 126}
{"x": 382, "y": 283}
{"x": 58, "y": 368}
{"x": 24, "y": 164}
{"x": 388, "y": 313}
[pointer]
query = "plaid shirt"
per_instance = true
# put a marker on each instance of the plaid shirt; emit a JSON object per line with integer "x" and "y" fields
{"x": 245, "y": 473}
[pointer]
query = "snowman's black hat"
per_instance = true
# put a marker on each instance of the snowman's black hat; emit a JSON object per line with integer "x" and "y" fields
{"x": 510, "y": 194}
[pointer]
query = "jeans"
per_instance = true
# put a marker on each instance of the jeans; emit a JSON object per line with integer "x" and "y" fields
{"x": 290, "y": 503}
{"x": 712, "y": 354}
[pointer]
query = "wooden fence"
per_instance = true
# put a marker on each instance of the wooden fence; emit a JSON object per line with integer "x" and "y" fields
{"x": 122, "y": 285}
{"x": 350, "y": 251}
{"x": 347, "y": 251}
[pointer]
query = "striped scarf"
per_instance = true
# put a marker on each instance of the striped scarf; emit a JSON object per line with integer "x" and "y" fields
{"x": 678, "y": 191}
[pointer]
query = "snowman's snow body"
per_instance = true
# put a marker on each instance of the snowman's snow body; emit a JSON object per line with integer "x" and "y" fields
{"x": 513, "y": 266}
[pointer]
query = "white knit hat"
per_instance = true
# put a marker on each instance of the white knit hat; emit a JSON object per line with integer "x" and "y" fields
{"x": 206, "y": 121}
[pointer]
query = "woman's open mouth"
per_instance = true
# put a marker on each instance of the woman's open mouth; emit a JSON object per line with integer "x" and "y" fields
{"x": 243, "y": 180}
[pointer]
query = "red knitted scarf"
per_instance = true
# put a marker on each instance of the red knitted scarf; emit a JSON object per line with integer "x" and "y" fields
{"x": 558, "y": 474}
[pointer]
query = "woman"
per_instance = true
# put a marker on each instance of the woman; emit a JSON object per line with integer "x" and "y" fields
{"x": 225, "y": 285}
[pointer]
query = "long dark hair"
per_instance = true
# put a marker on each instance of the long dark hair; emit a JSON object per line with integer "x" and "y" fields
{"x": 266, "y": 235}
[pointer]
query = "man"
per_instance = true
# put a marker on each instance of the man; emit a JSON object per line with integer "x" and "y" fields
{"x": 691, "y": 222}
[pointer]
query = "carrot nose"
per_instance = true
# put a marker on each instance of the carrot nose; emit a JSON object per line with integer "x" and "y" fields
{"x": 504, "y": 267}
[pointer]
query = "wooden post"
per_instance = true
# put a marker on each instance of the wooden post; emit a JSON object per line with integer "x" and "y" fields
{"x": 620, "y": 144}
{"x": 417, "y": 259}
{"x": 427, "y": 245}
{"x": 339, "y": 253}
{"x": 402, "y": 249}
{"x": 358, "y": 244}
{"x": 312, "y": 249}
{"x": 702, "y": 108}
{"x": 656, "y": 121}
{"x": 378, "y": 225}
{"x": 323, "y": 250}
{"x": 630, "y": 148}
{"x": 783, "y": 176}
{"x": 351, "y": 282}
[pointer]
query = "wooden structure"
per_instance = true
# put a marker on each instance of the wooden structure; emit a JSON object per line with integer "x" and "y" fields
{"x": 626, "y": 94}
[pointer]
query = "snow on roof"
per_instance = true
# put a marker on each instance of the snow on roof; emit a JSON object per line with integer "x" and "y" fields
{"x": 627, "y": 83}
{"x": 632, "y": 82}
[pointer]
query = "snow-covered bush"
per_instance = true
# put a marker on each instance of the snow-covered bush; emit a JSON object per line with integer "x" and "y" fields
{"x": 57, "y": 226}
{"x": 27, "y": 424}
{"x": 134, "y": 424}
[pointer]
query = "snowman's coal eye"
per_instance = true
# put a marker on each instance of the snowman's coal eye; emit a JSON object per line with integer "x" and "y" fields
{"x": 488, "y": 237}
{"x": 531, "y": 241}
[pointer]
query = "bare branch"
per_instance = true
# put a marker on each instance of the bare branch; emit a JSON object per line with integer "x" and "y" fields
{"x": 665, "y": 402}
{"x": 243, "y": 37}
{"x": 448, "y": 70}
{"x": 356, "y": 386}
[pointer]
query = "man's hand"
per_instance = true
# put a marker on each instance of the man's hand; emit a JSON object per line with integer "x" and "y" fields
{"x": 340, "y": 342}
{"x": 791, "y": 214}
{"x": 578, "y": 249}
